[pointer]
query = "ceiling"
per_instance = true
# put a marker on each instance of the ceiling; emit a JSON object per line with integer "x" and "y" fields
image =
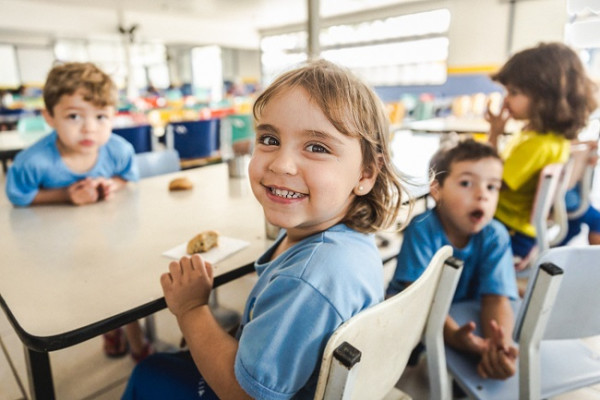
{"x": 234, "y": 23}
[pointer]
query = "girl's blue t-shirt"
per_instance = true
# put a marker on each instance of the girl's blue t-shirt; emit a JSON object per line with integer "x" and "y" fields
{"x": 41, "y": 167}
{"x": 300, "y": 298}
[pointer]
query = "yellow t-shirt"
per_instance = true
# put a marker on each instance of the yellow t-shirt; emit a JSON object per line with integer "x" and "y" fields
{"x": 524, "y": 158}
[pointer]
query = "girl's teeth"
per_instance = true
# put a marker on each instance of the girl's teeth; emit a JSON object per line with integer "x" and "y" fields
{"x": 288, "y": 194}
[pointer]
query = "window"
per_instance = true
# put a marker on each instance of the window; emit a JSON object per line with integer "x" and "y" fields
{"x": 400, "y": 50}
{"x": 9, "y": 74}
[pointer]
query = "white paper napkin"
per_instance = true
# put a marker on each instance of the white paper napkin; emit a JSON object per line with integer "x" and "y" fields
{"x": 227, "y": 246}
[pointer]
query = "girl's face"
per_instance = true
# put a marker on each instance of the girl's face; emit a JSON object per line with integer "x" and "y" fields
{"x": 517, "y": 103}
{"x": 82, "y": 127}
{"x": 304, "y": 172}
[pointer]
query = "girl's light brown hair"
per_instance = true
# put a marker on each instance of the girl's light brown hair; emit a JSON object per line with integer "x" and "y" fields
{"x": 65, "y": 79}
{"x": 354, "y": 110}
{"x": 553, "y": 76}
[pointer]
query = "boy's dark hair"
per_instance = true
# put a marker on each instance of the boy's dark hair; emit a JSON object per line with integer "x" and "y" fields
{"x": 466, "y": 150}
{"x": 65, "y": 79}
{"x": 553, "y": 76}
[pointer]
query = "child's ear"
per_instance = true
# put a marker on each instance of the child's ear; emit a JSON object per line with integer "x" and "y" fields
{"x": 434, "y": 190}
{"x": 367, "y": 180}
{"x": 48, "y": 118}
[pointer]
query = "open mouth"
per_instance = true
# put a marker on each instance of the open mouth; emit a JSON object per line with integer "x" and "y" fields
{"x": 286, "y": 194}
{"x": 476, "y": 215}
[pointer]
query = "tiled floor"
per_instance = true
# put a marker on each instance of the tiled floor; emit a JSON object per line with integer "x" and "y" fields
{"x": 83, "y": 372}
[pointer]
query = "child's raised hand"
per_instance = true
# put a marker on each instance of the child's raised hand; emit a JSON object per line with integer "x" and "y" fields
{"x": 83, "y": 192}
{"x": 465, "y": 339}
{"x": 497, "y": 121}
{"x": 187, "y": 285}
{"x": 499, "y": 361}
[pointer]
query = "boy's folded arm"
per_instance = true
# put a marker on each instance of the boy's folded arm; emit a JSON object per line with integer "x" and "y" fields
{"x": 48, "y": 196}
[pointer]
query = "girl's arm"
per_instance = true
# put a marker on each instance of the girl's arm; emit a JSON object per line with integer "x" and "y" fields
{"x": 187, "y": 287}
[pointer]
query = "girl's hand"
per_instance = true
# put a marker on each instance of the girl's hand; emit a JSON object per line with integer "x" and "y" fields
{"x": 187, "y": 285}
{"x": 497, "y": 121}
{"x": 83, "y": 192}
{"x": 499, "y": 361}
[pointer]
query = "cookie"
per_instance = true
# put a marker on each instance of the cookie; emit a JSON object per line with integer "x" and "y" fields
{"x": 182, "y": 183}
{"x": 202, "y": 242}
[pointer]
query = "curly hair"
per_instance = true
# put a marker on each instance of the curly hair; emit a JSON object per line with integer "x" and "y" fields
{"x": 553, "y": 76}
{"x": 65, "y": 79}
{"x": 354, "y": 110}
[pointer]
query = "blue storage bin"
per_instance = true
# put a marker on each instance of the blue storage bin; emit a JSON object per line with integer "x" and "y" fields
{"x": 196, "y": 139}
{"x": 139, "y": 136}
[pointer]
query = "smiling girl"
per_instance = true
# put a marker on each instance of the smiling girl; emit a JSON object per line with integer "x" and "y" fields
{"x": 321, "y": 171}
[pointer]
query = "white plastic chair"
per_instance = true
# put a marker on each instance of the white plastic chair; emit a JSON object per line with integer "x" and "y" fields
{"x": 581, "y": 177}
{"x": 365, "y": 356}
{"x": 549, "y": 196}
{"x": 154, "y": 163}
{"x": 559, "y": 308}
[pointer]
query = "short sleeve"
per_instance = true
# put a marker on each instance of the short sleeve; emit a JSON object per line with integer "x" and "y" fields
{"x": 497, "y": 269}
{"x": 122, "y": 154}
{"x": 523, "y": 164}
{"x": 415, "y": 254}
{"x": 22, "y": 183}
{"x": 280, "y": 347}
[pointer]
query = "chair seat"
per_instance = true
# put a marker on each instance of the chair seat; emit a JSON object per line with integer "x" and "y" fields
{"x": 568, "y": 364}
{"x": 397, "y": 394}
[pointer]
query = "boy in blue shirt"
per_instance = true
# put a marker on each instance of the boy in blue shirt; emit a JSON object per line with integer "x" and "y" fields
{"x": 467, "y": 180}
{"x": 80, "y": 162}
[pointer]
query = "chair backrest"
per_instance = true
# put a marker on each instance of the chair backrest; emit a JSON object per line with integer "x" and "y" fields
{"x": 384, "y": 336}
{"x": 560, "y": 303}
{"x": 32, "y": 123}
{"x": 157, "y": 163}
{"x": 574, "y": 313}
{"x": 581, "y": 177}
{"x": 549, "y": 195}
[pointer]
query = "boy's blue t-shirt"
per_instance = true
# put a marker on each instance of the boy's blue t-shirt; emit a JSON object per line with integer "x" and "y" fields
{"x": 488, "y": 262}
{"x": 41, "y": 167}
{"x": 300, "y": 298}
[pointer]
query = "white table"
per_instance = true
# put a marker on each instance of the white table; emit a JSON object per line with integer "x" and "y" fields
{"x": 458, "y": 125}
{"x": 71, "y": 273}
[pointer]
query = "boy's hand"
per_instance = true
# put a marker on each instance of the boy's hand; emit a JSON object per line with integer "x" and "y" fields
{"x": 106, "y": 188}
{"x": 499, "y": 361}
{"x": 464, "y": 339}
{"x": 187, "y": 285}
{"x": 83, "y": 192}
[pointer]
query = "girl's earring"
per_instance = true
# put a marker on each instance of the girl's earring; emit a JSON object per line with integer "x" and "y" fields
{"x": 360, "y": 188}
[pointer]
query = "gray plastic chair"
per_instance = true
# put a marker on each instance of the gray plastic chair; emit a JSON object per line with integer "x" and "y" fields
{"x": 560, "y": 308}
{"x": 154, "y": 163}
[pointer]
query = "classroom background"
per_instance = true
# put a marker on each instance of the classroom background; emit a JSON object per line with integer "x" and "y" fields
{"x": 192, "y": 68}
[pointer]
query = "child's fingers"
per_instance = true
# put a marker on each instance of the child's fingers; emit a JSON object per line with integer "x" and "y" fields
{"x": 175, "y": 270}
{"x": 209, "y": 270}
{"x": 166, "y": 281}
